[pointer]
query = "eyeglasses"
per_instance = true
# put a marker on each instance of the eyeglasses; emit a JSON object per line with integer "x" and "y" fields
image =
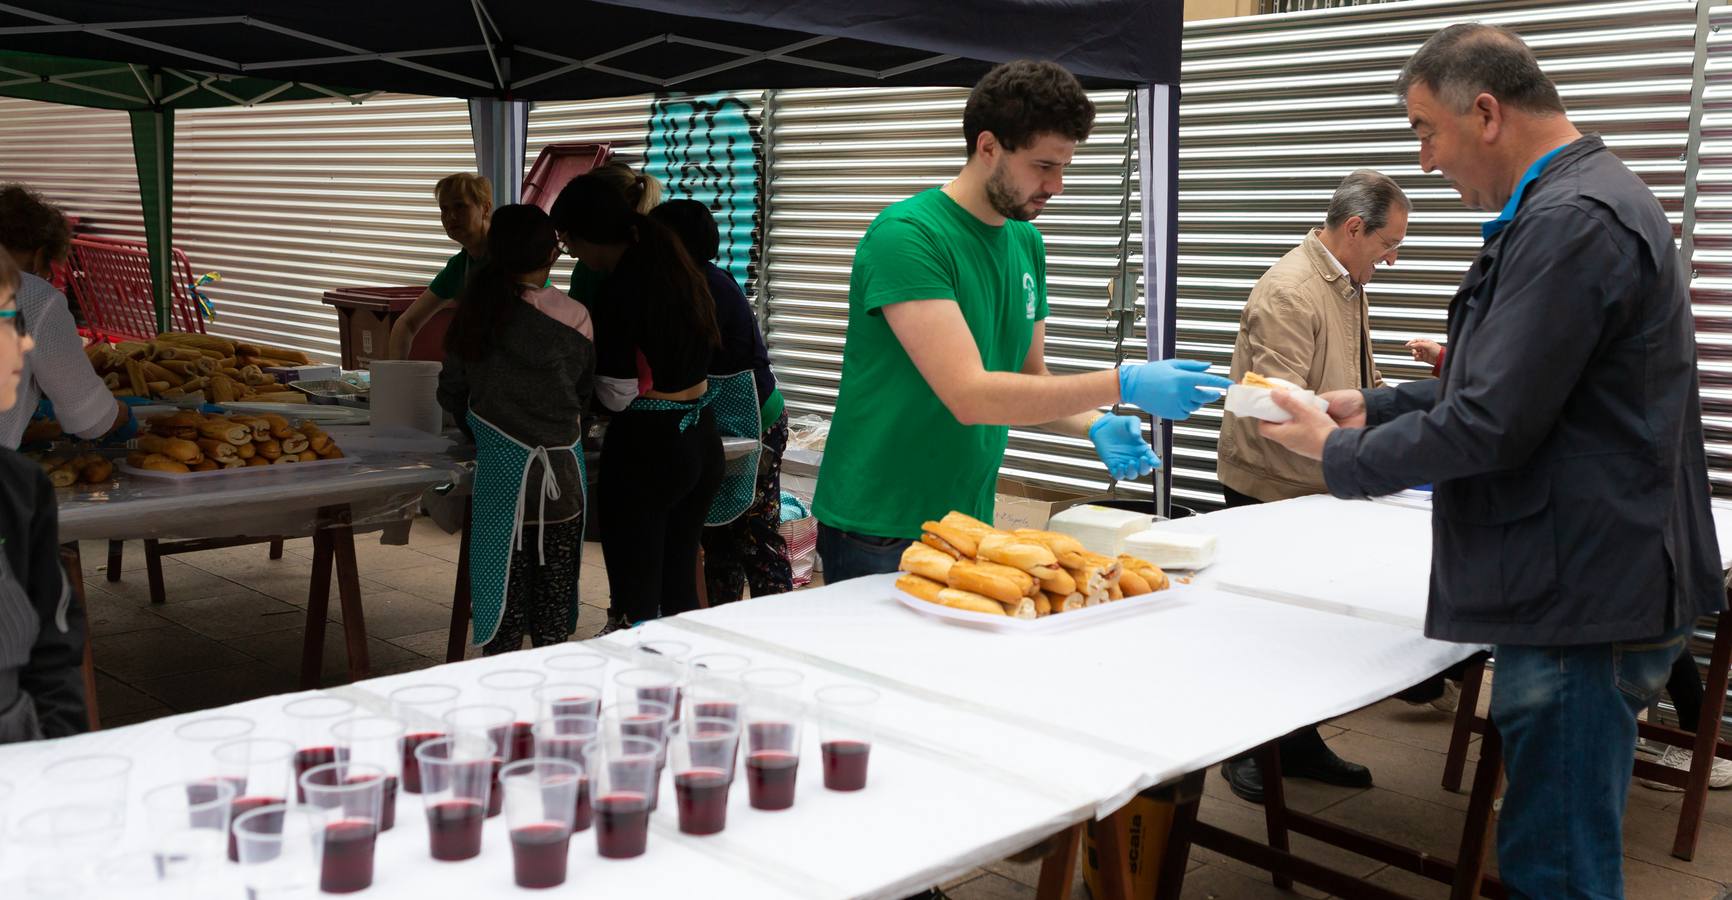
{"x": 17, "y": 317}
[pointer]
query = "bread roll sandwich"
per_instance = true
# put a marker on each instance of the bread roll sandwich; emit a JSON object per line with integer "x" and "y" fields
{"x": 295, "y": 443}
{"x": 1042, "y": 604}
{"x": 177, "y": 449}
{"x": 1147, "y": 571}
{"x": 1063, "y": 603}
{"x": 1252, "y": 379}
{"x": 922, "y": 560}
{"x": 63, "y": 476}
{"x": 970, "y": 601}
{"x": 1060, "y": 582}
{"x": 1068, "y": 550}
{"x": 307, "y": 456}
{"x": 279, "y": 426}
{"x": 1007, "y": 549}
{"x": 247, "y": 450}
{"x": 1114, "y": 592}
{"x": 258, "y": 461}
{"x": 96, "y": 471}
{"x": 226, "y": 431}
{"x": 962, "y": 533}
{"x": 988, "y": 579}
{"x": 1132, "y": 584}
{"x": 221, "y": 451}
{"x": 269, "y": 449}
{"x": 924, "y": 588}
{"x": 939, "y": 544}
{"x": 156, "y": 462}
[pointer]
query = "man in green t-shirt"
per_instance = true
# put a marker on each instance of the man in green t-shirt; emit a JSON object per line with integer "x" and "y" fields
{"x": 946, "y": 338}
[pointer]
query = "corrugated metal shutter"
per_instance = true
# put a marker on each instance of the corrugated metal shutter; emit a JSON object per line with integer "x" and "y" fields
{"x": 1711, "y": 291}
{"x": 1276, "y": 109}
{"x": 78, "y": 158}
{"x": 840, "y": 156}
{"x": 285, "y": 200}
{"x": 707, "y": 147}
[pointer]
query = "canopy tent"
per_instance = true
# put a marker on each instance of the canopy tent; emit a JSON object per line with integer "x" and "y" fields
{"x": 503, "y": 53}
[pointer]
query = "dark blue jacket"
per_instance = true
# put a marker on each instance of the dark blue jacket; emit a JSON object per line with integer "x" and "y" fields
{"x": 1564, "y": 436}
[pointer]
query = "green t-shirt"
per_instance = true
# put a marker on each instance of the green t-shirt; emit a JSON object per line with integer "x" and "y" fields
{"x": 585, "y": 283}
{"x": 895, "y": 456}
{"x": 449, "y": 282}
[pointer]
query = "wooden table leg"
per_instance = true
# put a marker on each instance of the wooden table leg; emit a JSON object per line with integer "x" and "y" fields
{"x": 1176, "y": 856}
{"x": 153, "y": 570}
{"x": 116, "y": 551}
{"x": 73, "y": 563}
{"x": 349, "y": 593}
{"x": 1114, "y": 857}
{"x": 1274, "y": 805}
{"x": 1466, "y": 711}
{"x": 1476, "y": 832}
{"x": 1058, "y": 870}
{"x": 457, "y": 641}
{"x": 318, "y": 610}
{"x": 1707, "y": 743}
{"x": 276, "y": 548}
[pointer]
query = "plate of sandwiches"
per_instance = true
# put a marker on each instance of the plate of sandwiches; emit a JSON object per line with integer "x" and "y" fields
{"x": 964, "y": 571}
{"x": 1254, "y": 397}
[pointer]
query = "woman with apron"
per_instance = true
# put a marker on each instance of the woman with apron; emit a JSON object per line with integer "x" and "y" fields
{"x": 41, "y": 634}
{"x": 519, "y": 369}
{"x": 661, "y": 461}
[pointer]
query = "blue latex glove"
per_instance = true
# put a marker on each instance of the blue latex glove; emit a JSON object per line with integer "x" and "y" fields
{"x": 126, "y": 432}
{"x": 1169, "y": 388}
{"x": 1119, "y": 443}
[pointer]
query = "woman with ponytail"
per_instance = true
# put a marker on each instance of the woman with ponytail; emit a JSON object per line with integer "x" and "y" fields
{"x": 661, "y": 461}
{"x": 642, "y": 192}
{"x": 519, "y": 371}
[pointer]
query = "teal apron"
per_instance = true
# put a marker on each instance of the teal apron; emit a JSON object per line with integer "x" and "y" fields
{"x": 500, "y": 500}
{"x": 733, "y": 402}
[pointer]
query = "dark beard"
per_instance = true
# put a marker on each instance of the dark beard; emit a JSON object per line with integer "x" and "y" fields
{"x": 1006, "y": 203}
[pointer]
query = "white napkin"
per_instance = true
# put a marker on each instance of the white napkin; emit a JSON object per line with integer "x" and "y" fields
{"x": 1259, "y": 402}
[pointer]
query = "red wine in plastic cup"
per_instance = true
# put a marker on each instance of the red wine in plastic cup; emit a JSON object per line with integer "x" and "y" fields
{"x": 702, "y": 795}
{"x": 454, "y": 829}
{"x": 246, "y": 805}
{"x": 588, "y": 707}
{"x": 538, "y": 855}
{"x": 522, "y": 742}
{"x": 585, "y": 813}
{"x": 770, "y": 777}
{"x": 204, "y": 791}
{"x": 308, "y": 758}
{"x": 621, "y": 825}
{"x": 412, "y": 766}
{"x": 348, "y": 865}
{"x": 845, "y": 764}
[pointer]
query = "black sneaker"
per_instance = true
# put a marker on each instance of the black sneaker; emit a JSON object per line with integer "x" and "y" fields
{"x": 613, "y": 625}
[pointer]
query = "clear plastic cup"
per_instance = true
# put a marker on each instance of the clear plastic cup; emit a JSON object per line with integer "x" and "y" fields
{"x": 589, "y": 668}
{"x": 714, "y": 697}
{"x": 262, "y": 772}
{"x": 558, "y": 699}
{"x": 719, "y": 665}
{"x": 310, "y": 721}
{"x": 701, "y": 754}
{"x": 422, "y": 707}
{"x": 645, "y": 719}
{"x": 847, "y": 716}
{"x": 56, "y": 845}
{"x": 93, "y": 780}
{"x": 494, "y": 724}
{"x": 457, "y": 776}
{"x": 282, "y": 852}
{"x": 376, "y": 741}
{"x": 623, "y": 772}
{"x": 515, "y": 690}
{"x": 540, "y": 797}
{"x": 567, "y": 737}
{"x": 189, "y": 823}
{"x": 657, "y": 684}
{"x": 771, "y": 731}
{"x": 349, "y": 796}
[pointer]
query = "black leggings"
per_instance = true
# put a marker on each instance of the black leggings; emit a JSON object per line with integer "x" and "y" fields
{"x": 539, "y": 600}
{"x": 656, "y": 484}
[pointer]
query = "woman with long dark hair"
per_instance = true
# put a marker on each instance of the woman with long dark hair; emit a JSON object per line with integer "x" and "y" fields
{"x": 519, "y": 371}
{"x": 661, "y": 460}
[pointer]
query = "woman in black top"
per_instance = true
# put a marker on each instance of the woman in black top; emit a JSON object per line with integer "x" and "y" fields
{"x": 41, "y": 633}
{"x": 661, "y": 461}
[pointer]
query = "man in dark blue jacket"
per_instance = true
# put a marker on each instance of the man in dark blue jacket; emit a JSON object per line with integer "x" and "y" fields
{"x": 1564, "y": 437}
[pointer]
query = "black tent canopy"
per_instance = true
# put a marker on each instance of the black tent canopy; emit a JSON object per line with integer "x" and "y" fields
{"x": 578, "y": 50}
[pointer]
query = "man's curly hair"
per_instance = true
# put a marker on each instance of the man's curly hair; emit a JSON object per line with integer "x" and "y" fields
{"x": 1020, "y": 100}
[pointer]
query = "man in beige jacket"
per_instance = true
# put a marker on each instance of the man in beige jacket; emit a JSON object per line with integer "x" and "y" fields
{"x": 1307, "y": 321}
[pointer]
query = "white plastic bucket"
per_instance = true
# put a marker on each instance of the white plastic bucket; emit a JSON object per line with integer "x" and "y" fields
{"x": 405, "y": 394}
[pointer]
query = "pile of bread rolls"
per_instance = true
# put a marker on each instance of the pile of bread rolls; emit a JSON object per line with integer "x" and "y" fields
{"x": 85, "y": 470}
{"x": 193, "y": 442}
{"x": 964, "y": 563}
{"x": 177, "y": 366}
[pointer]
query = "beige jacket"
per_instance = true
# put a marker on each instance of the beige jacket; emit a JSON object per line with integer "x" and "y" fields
{"x": 1307, "y": 323}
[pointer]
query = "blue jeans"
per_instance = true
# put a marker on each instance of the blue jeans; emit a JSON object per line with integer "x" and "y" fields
{"x": 847, "y": 554}
{"x": 1568, "y": 720}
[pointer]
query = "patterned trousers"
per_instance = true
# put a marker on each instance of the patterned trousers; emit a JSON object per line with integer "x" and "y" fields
{"x": 541, "y": 596}
{"x": 750, "y": 549}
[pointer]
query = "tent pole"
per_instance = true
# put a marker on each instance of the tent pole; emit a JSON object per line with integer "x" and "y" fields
{"x": 1158, "y": 144}
{"x": 153, "y": 155}
{"x": 500, "y": 132}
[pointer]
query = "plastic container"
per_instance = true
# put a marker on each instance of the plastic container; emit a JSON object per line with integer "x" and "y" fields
{"x": 405, "y": 395}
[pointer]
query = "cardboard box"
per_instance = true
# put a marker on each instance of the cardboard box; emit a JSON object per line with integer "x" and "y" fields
{"x": 1020, "y": 504}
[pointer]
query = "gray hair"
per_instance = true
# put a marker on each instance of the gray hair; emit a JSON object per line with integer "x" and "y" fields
{"x": 1463, "y": 61}
{"x": 1367, "y": 194}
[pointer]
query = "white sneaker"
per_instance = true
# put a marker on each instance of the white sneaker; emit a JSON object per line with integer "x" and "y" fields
{"x": 1451, "y": 697}
{"x": 1719, "y": 774}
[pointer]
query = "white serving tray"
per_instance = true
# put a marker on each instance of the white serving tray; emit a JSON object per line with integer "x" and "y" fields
{"x": 1079, "y": 618}
{"x": 244, "y": 473}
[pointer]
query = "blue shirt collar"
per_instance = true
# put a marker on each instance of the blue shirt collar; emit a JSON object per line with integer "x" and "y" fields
{"x": 1489, "y": 229}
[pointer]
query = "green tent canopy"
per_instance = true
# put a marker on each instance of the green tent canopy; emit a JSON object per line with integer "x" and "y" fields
{"x": 149, "y": 95}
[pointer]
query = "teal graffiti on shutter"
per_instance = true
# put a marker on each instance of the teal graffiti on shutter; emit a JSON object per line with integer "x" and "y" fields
{"x": 709, "y": 148}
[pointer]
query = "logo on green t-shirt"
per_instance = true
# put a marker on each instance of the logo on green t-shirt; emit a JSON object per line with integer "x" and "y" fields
{"x": 1029, "y": 294}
